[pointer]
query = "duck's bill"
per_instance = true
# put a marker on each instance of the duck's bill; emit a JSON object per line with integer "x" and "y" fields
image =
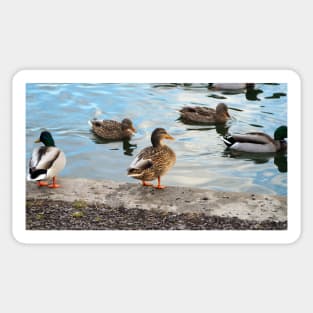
{"x": 37, "y": 141}
{"x": 167, "y": 136}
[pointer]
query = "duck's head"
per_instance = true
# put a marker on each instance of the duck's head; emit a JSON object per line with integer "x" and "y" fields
{"x": 46, "y": 139}
{"x": 158, "y": 135}
{"x": 281, "y": 133}
{"x": 127, "y": 126}
{"x": 222, "y": 109}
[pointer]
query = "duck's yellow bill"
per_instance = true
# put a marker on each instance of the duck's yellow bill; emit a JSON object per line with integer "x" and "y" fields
{"x": 36, "y": 141}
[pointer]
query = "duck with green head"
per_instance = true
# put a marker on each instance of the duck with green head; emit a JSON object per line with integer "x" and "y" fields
{"x": 154, "y": 161}
{"x": 257, "y": 142}
{"x": 46, "y": 161}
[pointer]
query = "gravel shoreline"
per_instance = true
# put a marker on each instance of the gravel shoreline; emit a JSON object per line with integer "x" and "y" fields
{"x": 80, "y": 215}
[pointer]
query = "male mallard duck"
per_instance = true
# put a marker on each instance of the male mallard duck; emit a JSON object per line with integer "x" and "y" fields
{"x": 46, "y": 161}
{"x": 257, "y": 142}
{"x": 203, "y": 115}
{"x": 229, "y": 86}
{"x": 154, "y": 161}
{"x": 112, "y": 130}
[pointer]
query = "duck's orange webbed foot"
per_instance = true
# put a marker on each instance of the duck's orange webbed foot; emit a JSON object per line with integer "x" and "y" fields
{"x": 54, "y": 185}
{"x": 41, "y": 183}
{"x": 159, "y": 186}
{"x": 146, "y": 184}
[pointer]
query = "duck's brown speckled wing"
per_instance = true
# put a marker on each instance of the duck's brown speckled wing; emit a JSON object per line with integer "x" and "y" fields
{"x": 190, "y": 115}
{"x": 152, "y": 162}
{"x": 107, "y": 129}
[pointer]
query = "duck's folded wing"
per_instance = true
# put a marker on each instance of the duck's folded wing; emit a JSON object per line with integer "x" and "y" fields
{"x": 44, "y": 157}
{"x": 197, "y": 109}
{"x": 258, "y": 138}
{"x": 140, "y": 163}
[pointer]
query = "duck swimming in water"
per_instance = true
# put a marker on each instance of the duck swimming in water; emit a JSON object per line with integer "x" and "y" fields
{"x": 229, "y": 86}
{"x": 204, "y": 115}
{"x": 113, "y": 130}
{"x": 154, "y": 161}
{"x": 257, "y": 142}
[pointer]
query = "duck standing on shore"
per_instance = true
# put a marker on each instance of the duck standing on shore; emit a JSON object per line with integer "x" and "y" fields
{"x": 113, "y": 130}
{"x": 257, "y": 142}
{"x": 46, "y": 161}
{"x": 154, "y": 161}
{"x": 203, "y": 115}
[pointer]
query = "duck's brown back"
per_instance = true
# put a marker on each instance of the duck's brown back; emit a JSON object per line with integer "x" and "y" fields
{"x": 108, "y": 129}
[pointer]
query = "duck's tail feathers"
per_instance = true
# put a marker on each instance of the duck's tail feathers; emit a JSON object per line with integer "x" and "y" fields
{"x": 91, "y": 123}
{"x": 133, "y": 174}
{"x": 37, "y": 174}
{"x": 228, "y": 140}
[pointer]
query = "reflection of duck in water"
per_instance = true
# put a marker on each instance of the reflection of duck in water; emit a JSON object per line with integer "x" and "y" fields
{"x": 128, "y": 147}
{"x": 154, "y": 161}
{"x": 221, "y": 129}
{"x": 280, "y": 158}
{"x": 257, "y": 142}
{"x": 112, "y": 130}
{"x": 203, "y": 115}
{"x": 252, "y": 92}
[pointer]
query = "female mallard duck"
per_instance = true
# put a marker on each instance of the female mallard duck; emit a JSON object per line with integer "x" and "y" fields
{"x": 256, "y": 142}
{"x": 112, "y": 130}
{"x": 154, "y": 161}
{"x": 46, "y": 161}
{"x": 203, "y": 115}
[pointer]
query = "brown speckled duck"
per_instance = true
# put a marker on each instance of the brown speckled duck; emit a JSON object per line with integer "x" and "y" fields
{"x": 203, "y": 115}
{"x": 112, "y": 130}
{"x": 154, "y": 161}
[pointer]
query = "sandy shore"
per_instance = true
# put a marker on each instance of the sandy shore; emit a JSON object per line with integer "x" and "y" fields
{"x": 99, "y": 204}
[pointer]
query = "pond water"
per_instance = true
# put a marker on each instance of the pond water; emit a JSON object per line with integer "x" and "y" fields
{"x": 202, "y": 160}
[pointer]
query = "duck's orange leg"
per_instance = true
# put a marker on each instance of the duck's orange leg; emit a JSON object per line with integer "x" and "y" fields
{"x": 146, "y": 184}
{"x": 159, "y": 186}
{"x": 54, "y": 185}
{"x": 41, "y": 183}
